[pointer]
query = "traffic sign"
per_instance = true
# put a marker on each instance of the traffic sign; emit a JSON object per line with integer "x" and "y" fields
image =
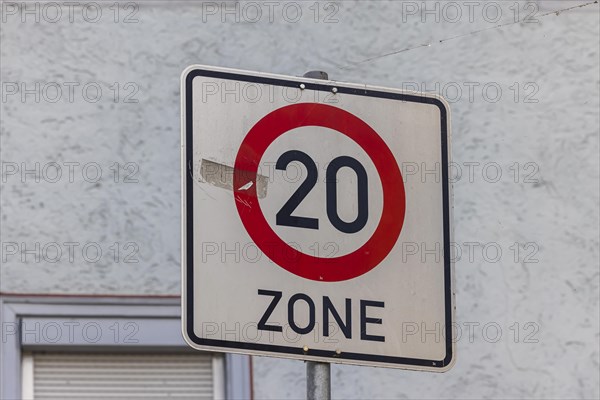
{"x": 316, "y": 220}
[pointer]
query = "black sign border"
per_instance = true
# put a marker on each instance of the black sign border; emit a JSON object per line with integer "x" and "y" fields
{"x": 299, "y": 351}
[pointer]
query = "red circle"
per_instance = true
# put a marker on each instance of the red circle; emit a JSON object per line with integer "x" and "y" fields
{"x": 345, "y": 267}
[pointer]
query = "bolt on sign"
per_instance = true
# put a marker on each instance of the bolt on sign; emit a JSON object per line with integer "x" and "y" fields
{"x": 305, "y": 235}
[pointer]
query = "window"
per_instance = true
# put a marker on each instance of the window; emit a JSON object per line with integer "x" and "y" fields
{"x": 75, "y": 347}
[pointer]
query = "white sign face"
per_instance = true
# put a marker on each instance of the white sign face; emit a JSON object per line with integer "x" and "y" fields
{"x": 316, "y": 220}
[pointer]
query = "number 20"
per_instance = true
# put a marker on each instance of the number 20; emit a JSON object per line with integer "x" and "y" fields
{"x": 285, "y": 218}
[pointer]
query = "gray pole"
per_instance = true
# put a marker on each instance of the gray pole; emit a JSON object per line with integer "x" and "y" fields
{"x": 317, "y": 75}
{"x": 318, "y": 380}
{"x": 318, "y": 374}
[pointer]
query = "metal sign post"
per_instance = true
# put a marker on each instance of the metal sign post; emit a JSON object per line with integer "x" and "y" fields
{"x": 318, "y": 380}
{"x": 318, "y": 374}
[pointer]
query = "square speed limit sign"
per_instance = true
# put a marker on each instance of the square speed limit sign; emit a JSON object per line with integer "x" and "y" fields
{"x": 316, "y": 220}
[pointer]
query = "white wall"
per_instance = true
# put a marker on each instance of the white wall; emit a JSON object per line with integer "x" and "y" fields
{"x": 557, "y": 58}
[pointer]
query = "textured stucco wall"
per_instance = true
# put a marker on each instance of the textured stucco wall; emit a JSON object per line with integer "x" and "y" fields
{"x": 554, "y": 61}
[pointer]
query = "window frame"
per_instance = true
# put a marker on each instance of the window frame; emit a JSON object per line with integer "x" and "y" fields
{"x": 157, "y": 320}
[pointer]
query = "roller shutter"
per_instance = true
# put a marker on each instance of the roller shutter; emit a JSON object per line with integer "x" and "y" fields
{"x": 122, "y": 375}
